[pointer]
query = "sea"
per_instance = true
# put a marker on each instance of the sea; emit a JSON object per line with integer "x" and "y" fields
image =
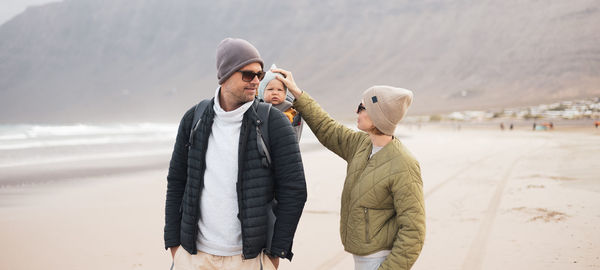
{"x": 53, "y": 151}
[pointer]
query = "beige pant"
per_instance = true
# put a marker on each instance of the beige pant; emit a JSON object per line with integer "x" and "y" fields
{"x": 204, "y": 261}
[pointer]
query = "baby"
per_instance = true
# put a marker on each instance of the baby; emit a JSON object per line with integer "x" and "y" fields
{"x": 273, "y": 91}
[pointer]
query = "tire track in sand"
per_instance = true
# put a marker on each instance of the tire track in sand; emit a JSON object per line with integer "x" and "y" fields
{"x": 477, "y": 250}
{"x": 455, "y": 175}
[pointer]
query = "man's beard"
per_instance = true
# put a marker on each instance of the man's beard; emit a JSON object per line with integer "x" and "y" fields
{"x": 245, "y": 99}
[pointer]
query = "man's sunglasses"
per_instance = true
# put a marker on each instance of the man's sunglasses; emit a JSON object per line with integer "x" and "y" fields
{"x": 248, "y": 76}
{"x": 360, "y": 108}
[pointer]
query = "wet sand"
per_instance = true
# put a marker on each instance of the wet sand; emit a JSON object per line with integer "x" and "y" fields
{"x": 494, "y": 200}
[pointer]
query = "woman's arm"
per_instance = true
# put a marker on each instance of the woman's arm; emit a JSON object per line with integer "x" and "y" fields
{"x": 410, "y": 217}
{"x": 333, "y": 135}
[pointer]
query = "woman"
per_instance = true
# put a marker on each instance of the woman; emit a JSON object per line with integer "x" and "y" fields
{"x": 382, "y": 215}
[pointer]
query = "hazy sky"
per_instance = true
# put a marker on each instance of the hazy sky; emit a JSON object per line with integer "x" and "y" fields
{"x": 10, "y": 8}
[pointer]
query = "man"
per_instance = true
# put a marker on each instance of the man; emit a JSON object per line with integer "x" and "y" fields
{"x": 219, "y": 187}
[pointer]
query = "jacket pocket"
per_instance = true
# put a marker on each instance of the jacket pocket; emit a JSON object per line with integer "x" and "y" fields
{"x": 375, "y": 219}
{"x": 367, "y": 238}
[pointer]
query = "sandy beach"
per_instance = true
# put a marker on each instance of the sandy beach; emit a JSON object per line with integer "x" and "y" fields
{"x": 494, "y": 200}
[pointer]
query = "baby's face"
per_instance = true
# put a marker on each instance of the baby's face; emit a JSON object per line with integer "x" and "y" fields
{"x": 274, "y": 92}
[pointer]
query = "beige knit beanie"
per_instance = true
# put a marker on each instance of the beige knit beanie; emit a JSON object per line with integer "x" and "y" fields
{"x": 386, "y": 106}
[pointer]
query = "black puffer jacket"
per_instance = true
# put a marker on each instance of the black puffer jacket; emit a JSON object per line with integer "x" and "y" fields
{"x": 256, "y": 186}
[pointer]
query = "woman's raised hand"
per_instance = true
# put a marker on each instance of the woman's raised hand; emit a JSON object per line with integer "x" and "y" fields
{"x": 288, "y": 80}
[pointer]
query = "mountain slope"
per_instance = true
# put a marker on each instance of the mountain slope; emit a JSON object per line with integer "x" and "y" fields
{"x": 150, "y": 60}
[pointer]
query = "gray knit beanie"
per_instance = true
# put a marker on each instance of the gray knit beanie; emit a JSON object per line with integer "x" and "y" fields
{"x": 233, "y": 54}
{"x": 386, "y": 106}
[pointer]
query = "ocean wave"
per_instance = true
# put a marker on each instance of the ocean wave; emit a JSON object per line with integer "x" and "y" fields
{"x": 33, "y": 136}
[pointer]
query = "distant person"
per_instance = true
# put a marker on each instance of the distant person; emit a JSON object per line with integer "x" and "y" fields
{"x": 273, "y": 91}
{"x": 382, "y": 210}
{"x": 597, "y": 123}
{"x": 551, "y": 125}
{"x": 501, "y": 126}
{"x": 219, "y": 190}
{"x": 534, "y": 126}
{"x": 511, "y": 126}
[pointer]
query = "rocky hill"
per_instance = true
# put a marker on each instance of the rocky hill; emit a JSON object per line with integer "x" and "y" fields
{"x": 149, "y": 60}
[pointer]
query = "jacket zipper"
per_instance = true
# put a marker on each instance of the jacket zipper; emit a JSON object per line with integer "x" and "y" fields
{"x": 367, "y": 225}
{"x": 239, "y": 184}
{"x": 202, "y": 169}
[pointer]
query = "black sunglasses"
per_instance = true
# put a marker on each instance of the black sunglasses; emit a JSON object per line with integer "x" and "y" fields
{"x": 360, "y": 108}
{"x": 248, "y": 76}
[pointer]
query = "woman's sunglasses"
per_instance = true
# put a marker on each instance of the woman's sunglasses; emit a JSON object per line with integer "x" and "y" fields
{"x": 360, "y": 108}
{"x": 248, "y": 76}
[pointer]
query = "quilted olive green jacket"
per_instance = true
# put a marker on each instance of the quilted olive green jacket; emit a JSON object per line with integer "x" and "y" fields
{"x": 382, "y": 199}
